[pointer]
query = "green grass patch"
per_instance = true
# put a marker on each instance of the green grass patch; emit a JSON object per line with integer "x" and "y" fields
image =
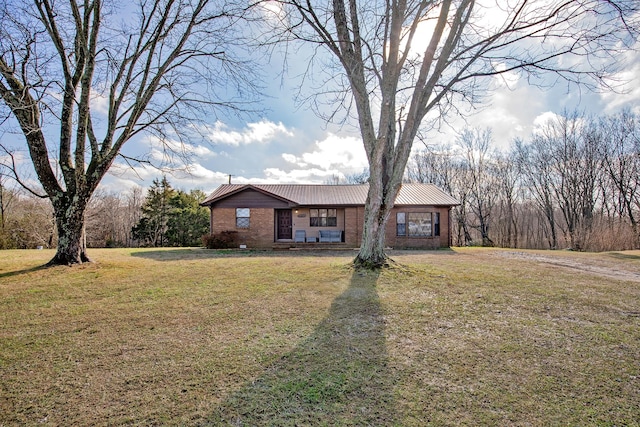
{"x": 204, "y": 337}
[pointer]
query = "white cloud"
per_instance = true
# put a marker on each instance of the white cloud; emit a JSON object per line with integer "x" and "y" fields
{"x": 259, "y": 132}
{"x": 629, "y": 93}
{"x": 545, "y": 118}
{"x": 118, "y": 184}
{"x": 334, "y": 156}
{"x": 507, "y": 79}
{"x": 509, "y": 112}
{"x": 301, "y": 176}
{"x": 293, "y": 159}
{"x": 122, "y": 177}
{"x": 134, "y": 173}
{"x": 175, "y": 153}
{"x": 197, "y": 176}
{"x": 333, "y": 152}
{"x": 99, "y": 103}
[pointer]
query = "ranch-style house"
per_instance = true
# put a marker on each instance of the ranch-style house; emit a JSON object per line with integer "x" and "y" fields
{"x": 281, "y": 215}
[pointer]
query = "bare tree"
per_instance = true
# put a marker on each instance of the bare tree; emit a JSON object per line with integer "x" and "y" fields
{"x": 394, "y": 81}
{"x": 621, "y": 159}
{"x": 507, "y": 178}
{"x": 574, "y": 172}
{"x": 6, "y": 197}
{"x": 535, "y": 162}
{"x": 358, "y": 178}
{"x": 435, "y": 165}
{"x": 29, "y": 222}
{"x": 441, "y": 166}
{"x": 479, "y": 178}
{"x": 103, "y": 77}
{"x": 132, "y": 211}
{"x": 110, "y": 217}
{"x": 353, "y": 178}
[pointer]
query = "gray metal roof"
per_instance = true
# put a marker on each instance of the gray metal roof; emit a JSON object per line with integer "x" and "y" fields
{"x": 337, "y": 195}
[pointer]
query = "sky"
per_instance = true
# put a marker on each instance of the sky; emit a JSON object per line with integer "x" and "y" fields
{"x": 289, "y": 143}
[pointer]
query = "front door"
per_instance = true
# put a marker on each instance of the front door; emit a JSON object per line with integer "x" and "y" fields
{"x": 284, "y": 224}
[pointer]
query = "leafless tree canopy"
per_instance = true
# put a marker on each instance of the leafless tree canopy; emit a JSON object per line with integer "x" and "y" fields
{"x": 81, "y": 78}
{"x": 574, "y": 183}
{"x": 399, "y": 62}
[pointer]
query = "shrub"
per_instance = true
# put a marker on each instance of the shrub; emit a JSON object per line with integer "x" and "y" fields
{"x": 6, "y": 242}
{"x": 221, "y": 240}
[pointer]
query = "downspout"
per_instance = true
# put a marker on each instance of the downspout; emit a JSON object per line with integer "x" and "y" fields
{"x": 344, "y": 224}
{"x": 450, "y": 241}
{"x": 210, "y": 219}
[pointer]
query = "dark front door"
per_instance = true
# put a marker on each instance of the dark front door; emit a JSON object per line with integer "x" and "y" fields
{"x": 284, "y": 224}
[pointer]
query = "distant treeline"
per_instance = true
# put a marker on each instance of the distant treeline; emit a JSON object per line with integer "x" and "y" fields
{"x": 575, "y": 183}
{"x": 164, "y": 217}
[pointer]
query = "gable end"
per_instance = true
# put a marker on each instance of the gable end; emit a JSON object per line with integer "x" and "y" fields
{"x": 250, "y": 198}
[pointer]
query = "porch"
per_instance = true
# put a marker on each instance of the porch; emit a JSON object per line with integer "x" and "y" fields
{"x": 311, "y": 246}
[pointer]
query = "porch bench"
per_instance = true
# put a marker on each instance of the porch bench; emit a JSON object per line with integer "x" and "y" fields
{"x": 330, "y": 236}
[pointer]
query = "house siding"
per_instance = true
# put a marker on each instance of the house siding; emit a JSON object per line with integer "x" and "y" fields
{"x": 262, "y": 226}
{"x": 354, "y": 218}
{"x": 301, "y": 221}
{"x": 260, "y": 233}
{"x": 399, "y": 242}
{"x": 264, "y": 203}
{"x": 251, "y": 199}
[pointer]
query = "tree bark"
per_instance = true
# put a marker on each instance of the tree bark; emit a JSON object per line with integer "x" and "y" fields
{"x": 138, "y": 79}
{"x": 376, "y": 214}
{"x": 72, "y": 245}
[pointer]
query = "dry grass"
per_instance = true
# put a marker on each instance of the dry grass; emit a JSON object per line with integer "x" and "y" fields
{"x": 197, "y": 337}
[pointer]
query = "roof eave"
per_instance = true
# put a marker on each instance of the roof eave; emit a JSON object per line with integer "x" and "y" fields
{"x": 247, "y": 187}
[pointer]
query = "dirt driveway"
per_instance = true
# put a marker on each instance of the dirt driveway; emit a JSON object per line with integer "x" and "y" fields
{"x": 614, "y": 265}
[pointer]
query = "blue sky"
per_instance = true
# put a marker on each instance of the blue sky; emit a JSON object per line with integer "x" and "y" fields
{"x": 288, "y": 143}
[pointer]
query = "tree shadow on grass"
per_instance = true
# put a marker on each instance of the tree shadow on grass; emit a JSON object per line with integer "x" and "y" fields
{"x": 25, "y": 271}
{"x": 176, "y": 254}
{"x": 200, "y": 253}
{"x": 338, "y": 376}
{"x": 622, "y": 255}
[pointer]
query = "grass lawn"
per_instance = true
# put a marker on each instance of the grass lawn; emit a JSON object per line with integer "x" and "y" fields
{"x": 198, "y": 337}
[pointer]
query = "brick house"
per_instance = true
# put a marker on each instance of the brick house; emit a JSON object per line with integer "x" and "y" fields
{"x": 272, "y": 215}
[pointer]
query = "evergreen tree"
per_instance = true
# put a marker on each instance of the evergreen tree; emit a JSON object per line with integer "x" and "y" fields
{"x": 171, "y": 217}
{"x": 152, "y": 228}
{"x": 188, "y": 220}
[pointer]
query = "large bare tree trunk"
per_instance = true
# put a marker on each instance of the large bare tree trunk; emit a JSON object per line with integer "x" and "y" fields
{"x": 70, "y": 223}
{"x": 376, "y": 214}
{"x": 150, "y": 77}
{"x": 375, "y": 43}
{"x": 72, "y": 247}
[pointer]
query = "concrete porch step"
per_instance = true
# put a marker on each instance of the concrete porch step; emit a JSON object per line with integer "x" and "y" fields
{"x": 284, "y": 246}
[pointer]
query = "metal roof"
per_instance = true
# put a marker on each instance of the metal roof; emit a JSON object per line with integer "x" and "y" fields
{"x": 336, "y": 195}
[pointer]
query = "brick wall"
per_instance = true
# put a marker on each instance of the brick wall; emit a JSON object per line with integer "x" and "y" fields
{"x": 261, "y": 232}
{"x": 399, "y": 242}
{"x": 301, "y": 221}
{"x": 261, "y": 226}
{"x": 353, "y": 220}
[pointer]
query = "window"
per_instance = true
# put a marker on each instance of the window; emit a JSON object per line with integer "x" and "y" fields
{"x": 242, "y": 217}
{"x": 401, "y": 225}
{"x": 323, "y": 217}
{"x": 419, "y": 224}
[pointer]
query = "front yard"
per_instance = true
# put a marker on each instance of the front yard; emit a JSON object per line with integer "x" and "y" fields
{"x": 198, "y": 337}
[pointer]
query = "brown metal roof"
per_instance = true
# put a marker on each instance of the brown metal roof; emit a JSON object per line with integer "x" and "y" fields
{"x": 336, "y": 195}
{"x": 424, "y": 194}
